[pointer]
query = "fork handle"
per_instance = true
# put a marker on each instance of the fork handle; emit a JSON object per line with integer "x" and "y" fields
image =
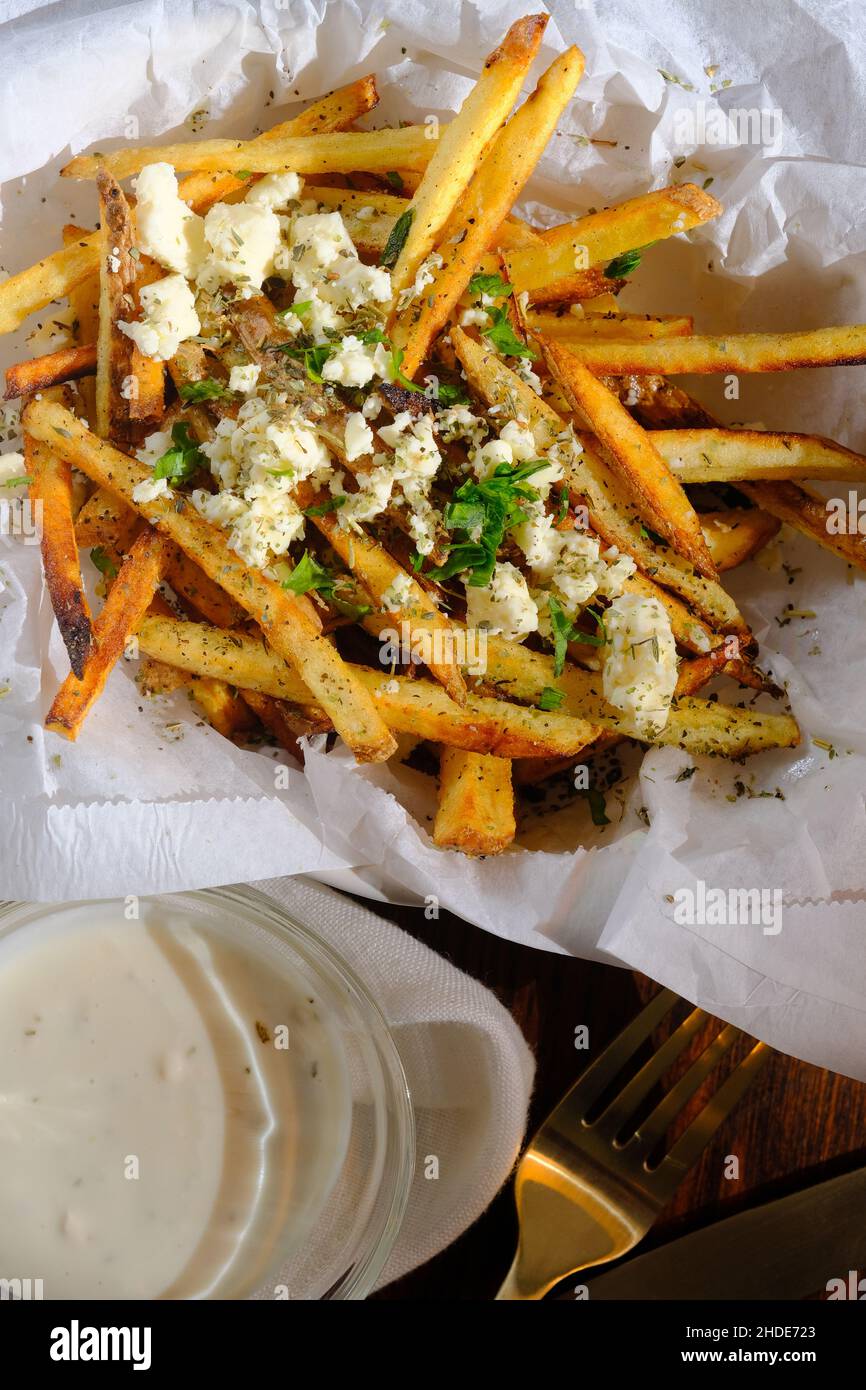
{"x": 512, "y": 1289}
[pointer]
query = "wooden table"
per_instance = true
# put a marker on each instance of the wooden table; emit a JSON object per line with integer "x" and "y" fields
{"x": 797, "y": 1123}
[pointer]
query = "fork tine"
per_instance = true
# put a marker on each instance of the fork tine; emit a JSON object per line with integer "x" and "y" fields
{"x": 693, "y": 1141}
{"x": 656, "y": 1124}
{"x": 623, "y": 1105}
{"x": 606, "y": 1067}
{"x": 695, "y": 1138}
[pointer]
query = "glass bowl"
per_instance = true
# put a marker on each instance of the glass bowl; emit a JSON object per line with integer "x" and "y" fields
{"x": 337, "y": 1241}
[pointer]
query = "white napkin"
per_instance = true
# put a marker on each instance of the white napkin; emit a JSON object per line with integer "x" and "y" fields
{"x": 469, "y": 1068}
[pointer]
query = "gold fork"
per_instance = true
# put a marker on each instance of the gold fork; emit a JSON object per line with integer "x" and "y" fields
{"x": 585, "y": 1190}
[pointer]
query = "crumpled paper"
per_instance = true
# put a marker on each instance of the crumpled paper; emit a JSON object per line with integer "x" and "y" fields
{"x": 151, "y": 800}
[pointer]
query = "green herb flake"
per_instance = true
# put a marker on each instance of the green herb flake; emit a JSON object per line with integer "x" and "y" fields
{"x": 397, "y": 239}
{"x": 103, "y": 562}
{"x": 503, "y": 336}
{"x": 550, "y": 698}
{"x": 179, "y": 463}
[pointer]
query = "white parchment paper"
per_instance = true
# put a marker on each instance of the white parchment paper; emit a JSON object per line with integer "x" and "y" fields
{"x": 149, "y": 799}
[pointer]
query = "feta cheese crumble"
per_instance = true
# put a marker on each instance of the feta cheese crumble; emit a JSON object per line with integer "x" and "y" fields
{"x": 640, "y": 668}
{"x": 168, "y": 318}
{"x": 244, "y": 379}
{"x": 244, "y": 239}
{"x": 505, "y": 606}
{"x": 167, "y": 229}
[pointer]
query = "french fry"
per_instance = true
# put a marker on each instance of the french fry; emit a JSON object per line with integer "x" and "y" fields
{"x": 107, "y": 524}
{"x": 39, "y": 373}
{"x": 568, "y": 328}
{"x": 340, "y": 153}
{"x": 84, "y": 303}
{"x": 58, "y": 274}
{"x": 474, "y": 223}
{"x": 410, "y": 706}
{"x": 810, "y": 514}
{"x": 475, "y": 809}
{"x": 47, "y": 280}
{"x": 197, "y": 589}
{"x": 735, "y": 536}
{"x": 335, "y": 111}
{"x": 546, "y": 270}
{"x": 286, "y": 622}
{"x": 461, "y": 147}
{"x": 51, "y": 489}
{"x": 611, "y": 512}
{"x": 377, "y": 570}
{"x": 701, "y": 726}
{"x": 127, "y": 601}
{"x": 116, "y": 302}
{"x": 730, "y": 352}
{"x": 660, "y": 498}
{"x": 730, "y": 456}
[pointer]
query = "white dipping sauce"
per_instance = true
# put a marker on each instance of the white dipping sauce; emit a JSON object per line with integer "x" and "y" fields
{"x": 156, "y": 1140}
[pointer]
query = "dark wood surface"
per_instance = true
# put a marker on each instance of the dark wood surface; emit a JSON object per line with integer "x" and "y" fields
{"x": 796, "y": 1124}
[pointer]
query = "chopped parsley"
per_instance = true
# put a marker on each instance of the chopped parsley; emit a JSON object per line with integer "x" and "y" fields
{"x": 494, "y": 285}
{"x": 597, "y": 805}
{"x": 21, "y": 479}
{"x": 103, "y": 562}
{"x": 313, "y": 358}
{"x": 395, "y": 178}
{"x": 503, "y": 336}
{"x": 626, "y": 263}
{"x": 322, "y": 508}
{"x": 550, "y": 698}
{"x": 397, "y": 355}
{"x": 480, "y": 514}
{"x": 448, "y": 395}
{"x": 206, "y": 390}
{"x": 309, "y": 576}
{"x": 179, "y": 463}
{"x": 397, "y": 238}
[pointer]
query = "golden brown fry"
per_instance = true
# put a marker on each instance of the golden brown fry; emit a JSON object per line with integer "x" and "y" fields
{"x": 287, "y": 623}
{"x": 199, "y": 591}
{"x": 106, "y": 523}
{"x": 116, "y": 302}
{"x": 728, "y": 456}
{"x": 335, "y": 111}
{"x": 731, "y": 352}
{"x": 341, "y": 153}
{"x": 813, "y": 516}
{"x": 611, "y": 512}
{"x": 127, "y": 601}
{"x": 475, "y": 810}
{"x": 417, "y": 707}
{"x": 602, "y": 236}
{"x": 51, "y": 490}
{"x": 84, "y": 303}
{"x": 461, "y": 147}
{"x": 735, "y": 536}
{"x": 660, "y": 498}
{"x": 568, "y": 328}
{"x": 476, "y": 219}
{"x": 701, "y": 726}
{"x": 62, "y": 272}
{"x": 38, "y": 373}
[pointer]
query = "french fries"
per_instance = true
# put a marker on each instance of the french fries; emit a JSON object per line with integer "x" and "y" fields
{"x": 128, "y": 598}
{"x": 473, "y": 226}
{"x": 736, "y": 535}
{"x": 409, "y": 706}
{"x": 335, "y": 153}
{"x": 612, "y": 513}
{"x": 810, "y": 514}
{"x": 730, "y": 352}
{"x": 660, "y": 498}
{"x": 39, "y": 373}
{"x": 546, "y": 272}
{"x": 475, "y": 808}
{"x": 61, "y": 273}
{"x": 116, "y": 302}
{"x": 50, "y": 489}
{"x": 731, "y": 456}
{"x": 285, "y": 621}
{"x": 424, "y": 435}
{"x": 573, "y": 329}
{"x": 461, "y": 147}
